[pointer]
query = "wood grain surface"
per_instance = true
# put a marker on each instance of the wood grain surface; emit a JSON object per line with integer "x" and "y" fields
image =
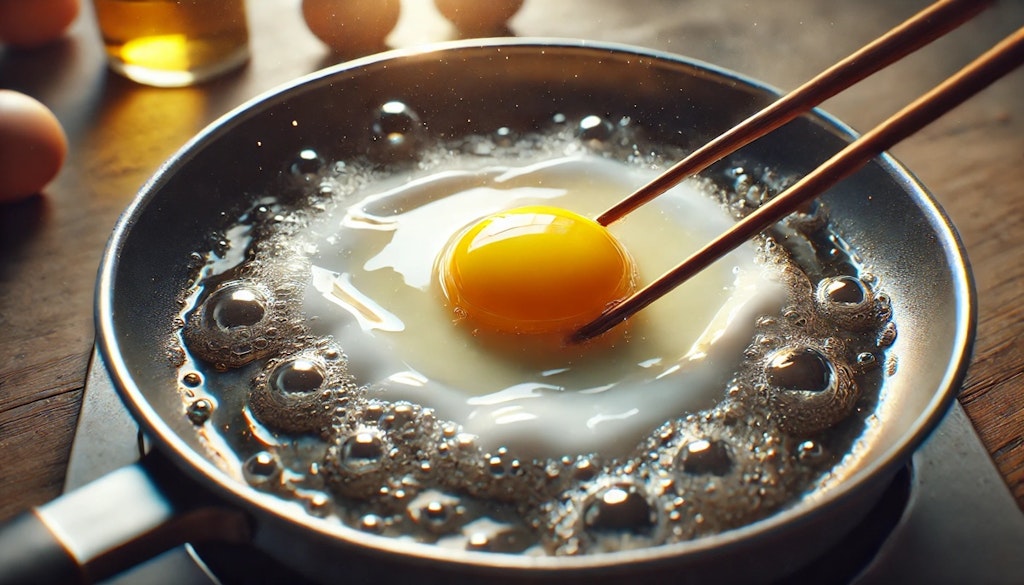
{"x": 120, "y": 132}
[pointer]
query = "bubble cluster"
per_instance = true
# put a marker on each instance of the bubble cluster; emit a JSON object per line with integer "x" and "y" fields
{"x": 809, "y": 390}
{"x": 312, "y": 434}
{"x": 239, "y": 322}
{"x": 851, "y": 303}
{"x": 299, "y": 393}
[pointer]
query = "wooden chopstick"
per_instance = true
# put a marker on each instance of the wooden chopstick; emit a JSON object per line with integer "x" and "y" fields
{"x": 979, "y": 74}
{"x": 914, "y": 33}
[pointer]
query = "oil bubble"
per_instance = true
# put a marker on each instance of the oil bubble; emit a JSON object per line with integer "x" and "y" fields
{"x": 435, "y": 512}
{"x": 809, "y": 390}
{"x": 500, "y": 464}
{"x": 584, "y": 469}
{"x": 849, "y": 302}
{"x": 306, "y": 165}
{"x": 504, "y": 137}
{"x": 362, "y": 452}
{"x": 372, "y": 523}
{"x": 200, "y": 411}
{"x": 235, "y": 305}
{"x": 397, "y": 132}
{"x": 403, "y": 415}
{"x": 299, "y": 393}
{"x": 843, "y": 290}
{"x": 595, "y": 130}
{"x": 479, "y": 541}
{"x": 261, "y": 469}
{"x": 359, "y": 462}
{"x": 804, "y": 369}
{"x": 319, "y": 504}
{"x": 621, "y": 507}
{"x": 705, "y": 457}
{"x": 229, "y": 327}
{"x": 296, "y": 376}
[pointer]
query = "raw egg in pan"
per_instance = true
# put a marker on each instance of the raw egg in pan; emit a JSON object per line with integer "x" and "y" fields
{"x": 456, "y": 290}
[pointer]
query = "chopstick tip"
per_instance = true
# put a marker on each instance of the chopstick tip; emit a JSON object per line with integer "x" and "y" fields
{"x": 600, "y": 325}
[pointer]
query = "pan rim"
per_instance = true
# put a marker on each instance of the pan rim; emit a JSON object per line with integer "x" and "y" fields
{"x": 194, "y": 464}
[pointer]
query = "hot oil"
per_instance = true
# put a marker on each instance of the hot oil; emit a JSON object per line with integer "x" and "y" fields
{"x": 173, "y": 42}
{"x": 283, "y": 408}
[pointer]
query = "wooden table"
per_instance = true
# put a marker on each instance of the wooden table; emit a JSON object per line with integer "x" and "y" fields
{"x": 972, "y": 160}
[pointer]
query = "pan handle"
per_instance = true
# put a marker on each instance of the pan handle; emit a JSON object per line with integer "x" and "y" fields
{"x": 112, "y": 524}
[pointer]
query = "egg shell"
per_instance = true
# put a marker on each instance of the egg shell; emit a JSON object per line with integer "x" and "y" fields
{"x": 33, "y": 23}
{"x": 349, "y": 26}
{"x": 32, "y": 146}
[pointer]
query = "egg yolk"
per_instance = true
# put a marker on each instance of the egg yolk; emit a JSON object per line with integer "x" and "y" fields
{"x": 535, "y": 269}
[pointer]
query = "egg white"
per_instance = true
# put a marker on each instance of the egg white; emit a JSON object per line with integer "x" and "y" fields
{"x": 374, "y": 289}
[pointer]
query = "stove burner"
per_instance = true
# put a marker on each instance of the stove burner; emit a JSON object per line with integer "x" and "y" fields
{"x": 849, "y": 557}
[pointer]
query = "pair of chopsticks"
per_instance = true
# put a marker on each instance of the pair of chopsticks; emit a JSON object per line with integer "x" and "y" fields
{"x": 918, "y": 31}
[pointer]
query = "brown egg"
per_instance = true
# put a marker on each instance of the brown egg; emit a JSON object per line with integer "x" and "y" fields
{"x": 32, "y": 146}
{"x": 33, "y": 23}
{"x": 478, "y": 15}
{"x": 351, "y": 26}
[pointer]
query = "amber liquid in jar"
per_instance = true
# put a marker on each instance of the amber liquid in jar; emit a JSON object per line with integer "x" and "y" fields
{"x": 172, "y": 43}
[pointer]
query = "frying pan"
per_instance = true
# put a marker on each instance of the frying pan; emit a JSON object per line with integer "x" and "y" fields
{"x": 178, "y": 493}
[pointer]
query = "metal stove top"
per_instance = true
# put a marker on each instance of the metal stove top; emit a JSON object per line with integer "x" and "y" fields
{"x": 957, "y": 524}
